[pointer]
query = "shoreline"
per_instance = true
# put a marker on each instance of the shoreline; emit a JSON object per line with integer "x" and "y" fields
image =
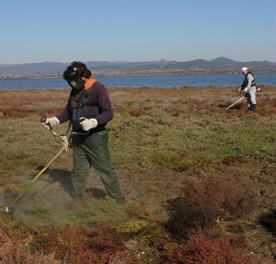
{"x": 138, "y": 74}
{"x": 127, "y": 88}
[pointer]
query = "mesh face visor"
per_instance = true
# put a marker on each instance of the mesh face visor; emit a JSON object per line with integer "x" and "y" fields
{"x": 71, "y": 73}
{"x": 74, "y": 76}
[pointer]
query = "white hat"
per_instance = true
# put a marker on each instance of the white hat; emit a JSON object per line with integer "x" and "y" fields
{"x": 244, "y": 69}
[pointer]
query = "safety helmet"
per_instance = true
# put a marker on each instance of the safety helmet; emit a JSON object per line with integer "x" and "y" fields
{"x": 244, "y": 70}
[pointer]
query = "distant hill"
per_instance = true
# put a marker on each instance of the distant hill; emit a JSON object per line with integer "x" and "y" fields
{"x": 161, "y": 66}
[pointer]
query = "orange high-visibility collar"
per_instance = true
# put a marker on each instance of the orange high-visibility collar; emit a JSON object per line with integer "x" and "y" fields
{"x": 88, "y": 83}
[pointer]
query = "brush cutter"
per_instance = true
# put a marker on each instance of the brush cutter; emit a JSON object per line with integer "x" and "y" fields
{"x": 257, "y": 90}
{"x": 59, "y": 138}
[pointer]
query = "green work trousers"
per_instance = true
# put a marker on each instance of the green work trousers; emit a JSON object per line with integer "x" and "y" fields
{"x": 92, "y": 151}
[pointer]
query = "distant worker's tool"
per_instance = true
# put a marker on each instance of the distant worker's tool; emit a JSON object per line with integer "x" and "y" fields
{"x": 64, "y": 141}
{"x": 235, "y": 103}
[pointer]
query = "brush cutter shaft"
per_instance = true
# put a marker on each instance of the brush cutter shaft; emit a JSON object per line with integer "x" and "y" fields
{"x": 235, "y": 103}
{"x": 38, "y": 175}
{"x": 48, "y": 164}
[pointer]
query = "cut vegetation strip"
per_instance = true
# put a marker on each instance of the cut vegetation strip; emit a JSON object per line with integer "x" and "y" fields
{"x": 64, "y": 143}
{"x": 21, "y": 194}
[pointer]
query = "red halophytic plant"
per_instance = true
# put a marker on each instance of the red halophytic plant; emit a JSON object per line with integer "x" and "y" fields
{"x": 199, "y": 250}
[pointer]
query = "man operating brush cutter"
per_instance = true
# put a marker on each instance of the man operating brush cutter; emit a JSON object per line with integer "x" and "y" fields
{"x": 249, "y": 89}
{"x": 89, "y": 109}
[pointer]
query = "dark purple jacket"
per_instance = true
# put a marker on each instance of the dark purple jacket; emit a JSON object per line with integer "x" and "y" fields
{"x": 91, "y": 103}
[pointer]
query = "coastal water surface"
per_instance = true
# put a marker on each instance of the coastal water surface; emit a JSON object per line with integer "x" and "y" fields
{"x": 173, "y": 81}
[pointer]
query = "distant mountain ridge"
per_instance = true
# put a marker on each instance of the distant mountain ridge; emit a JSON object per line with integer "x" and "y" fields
{"x": 57, "y": 68}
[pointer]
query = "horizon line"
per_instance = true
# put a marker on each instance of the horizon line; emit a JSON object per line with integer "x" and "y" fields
{"x": 139, "y": 61}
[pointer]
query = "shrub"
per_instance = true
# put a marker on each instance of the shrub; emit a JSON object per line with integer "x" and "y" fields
{"x": 78, "y": 245}
{"x": 70, "y": 245}
{"x": 11, "y": 251}
{"x": 199, "y": 250}
{"x": 205, "y": 200}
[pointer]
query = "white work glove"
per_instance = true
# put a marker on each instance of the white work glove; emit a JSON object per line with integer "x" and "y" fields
{"x": 87, "y": 124}
{"x": 51, "y": 122}
{"x": 245, "y": 90}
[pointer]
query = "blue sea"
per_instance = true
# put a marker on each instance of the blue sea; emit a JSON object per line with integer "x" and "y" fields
{"x": 169, "y": 81}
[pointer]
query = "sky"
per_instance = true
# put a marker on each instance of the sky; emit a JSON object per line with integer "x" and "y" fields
{"x": 136, "y": 30}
